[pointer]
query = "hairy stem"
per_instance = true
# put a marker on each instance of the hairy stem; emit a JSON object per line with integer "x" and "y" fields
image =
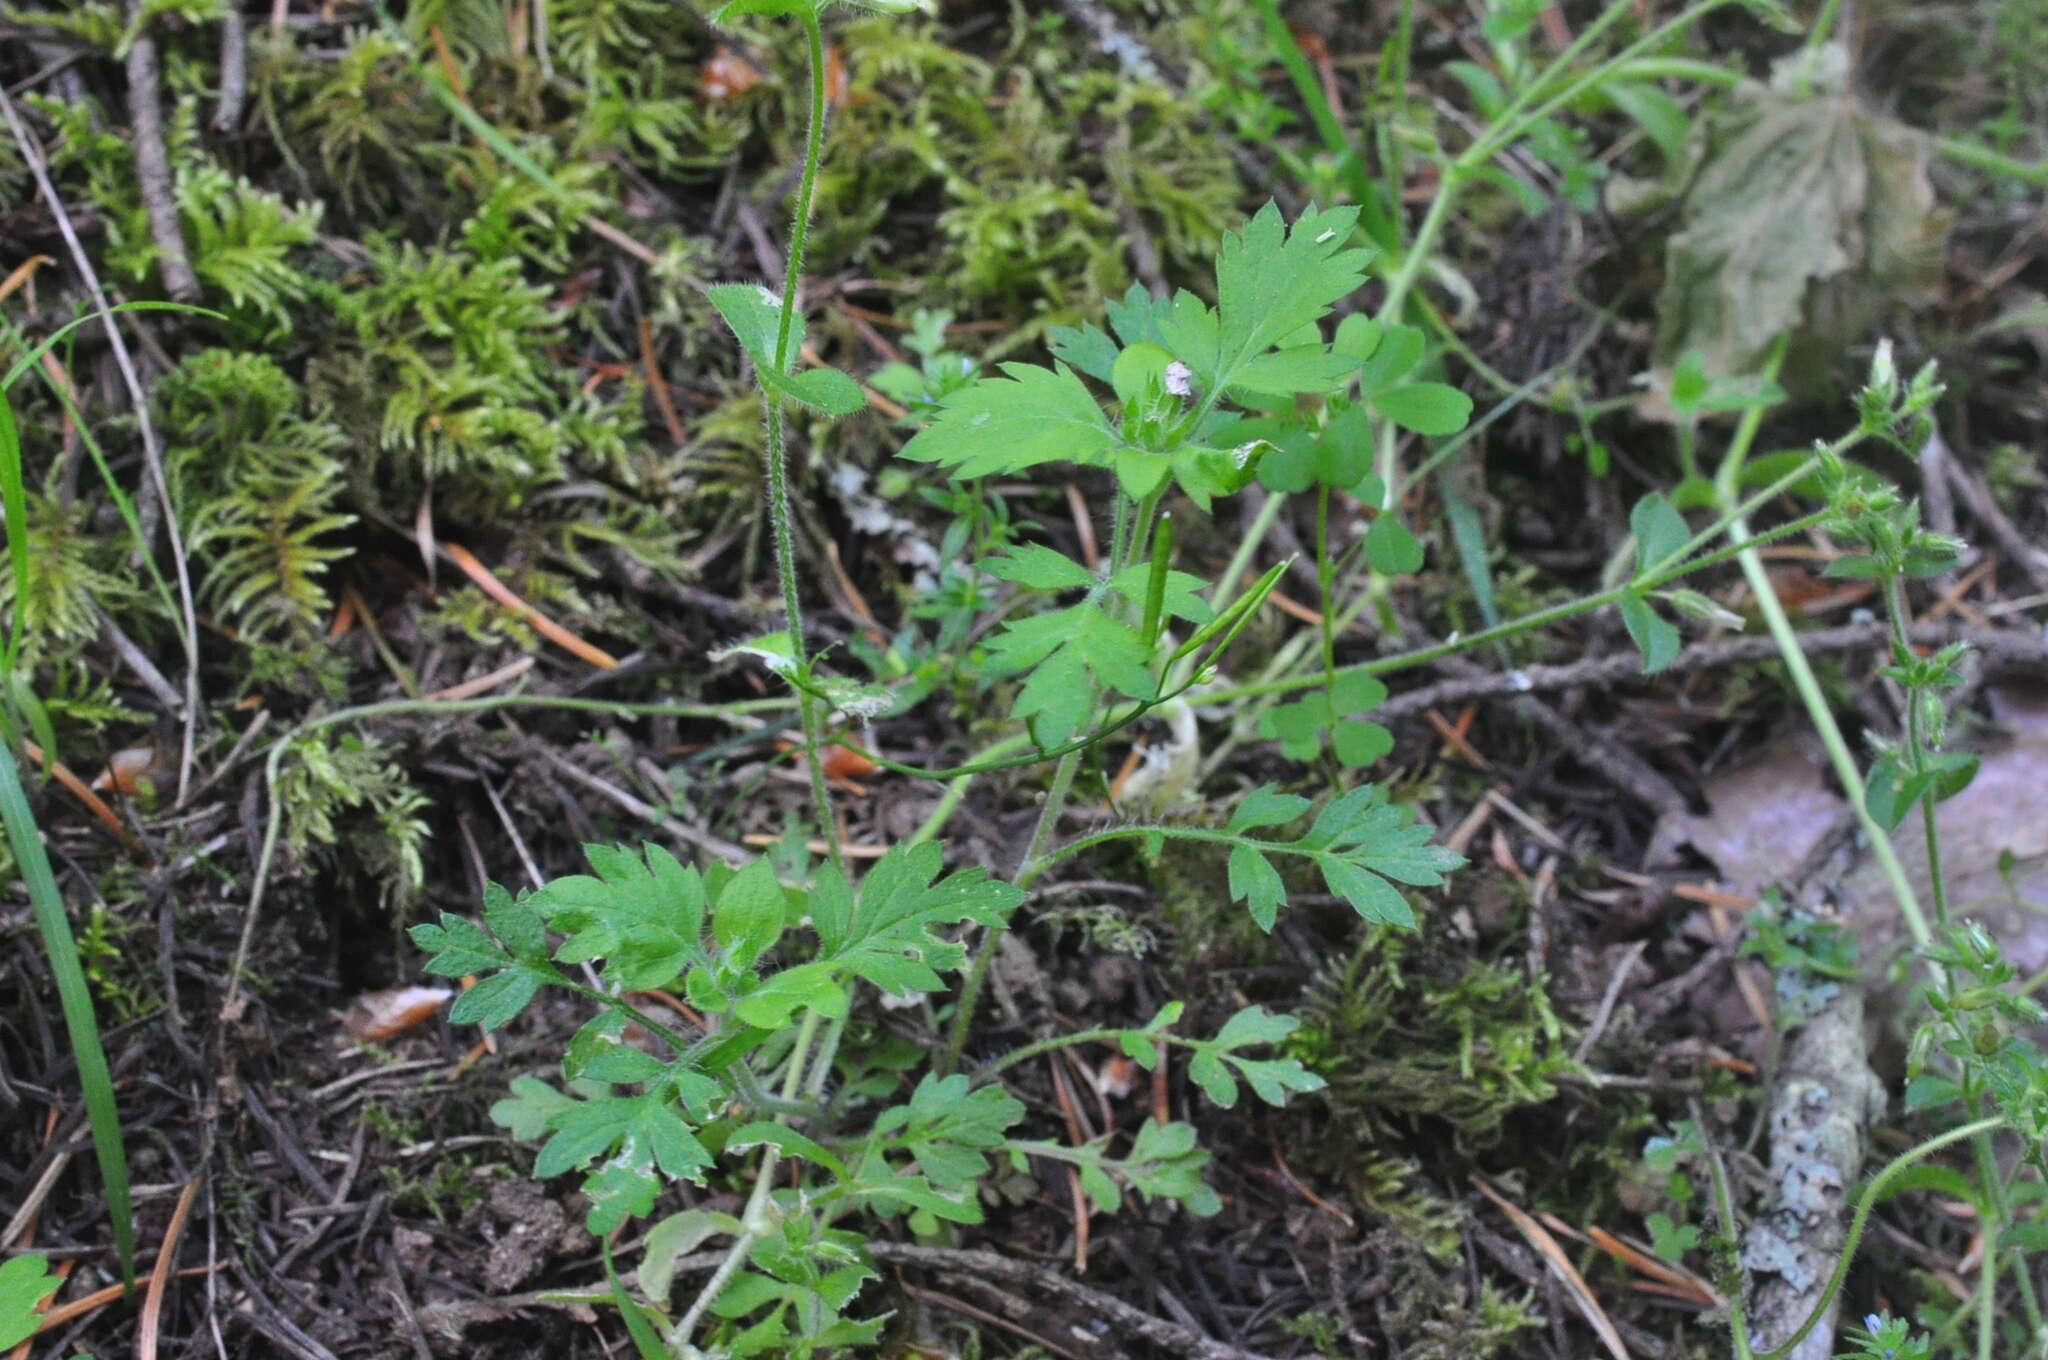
{"x": 1028, "y": 868}
{"x": 1796, "y": 665}
{"x": 778, "y": 454}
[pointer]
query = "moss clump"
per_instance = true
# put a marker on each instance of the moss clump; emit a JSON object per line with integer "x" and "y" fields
{"x": 1407, "y": 1031}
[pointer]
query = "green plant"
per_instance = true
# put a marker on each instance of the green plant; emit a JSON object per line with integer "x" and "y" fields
{"x": 1972, "y": 1053}
{"x": 260, "y": 486}
{"x": 1191, "y": 399}
{"x": 21, "y": 712}
{"x": 327, "y": 780}
{"x": 1886, "y": 1338}
{"x": 25, "y": 1282}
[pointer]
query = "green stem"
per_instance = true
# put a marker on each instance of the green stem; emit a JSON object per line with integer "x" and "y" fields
{"x": 1035, "y": 858}
{"x": 778, "y": 454}
{"x": 1514, "y": 120}
{"x": 1254, "y": 534}
{"x": 990, "y": 1070}
{"x": 1892, "y": 1171}
{"x": 675, "y": 1039}
{"x": 956, "y": 789}
{"x": 1324, "y": 574}
{"x": 1994, "y": 162}
{"x": 754, "y": 1222}
{"x": 1509, "y": 126}
{"x": 1557, "y": 613}
{"x": 1823, "y": 25}
{"x": 1027, "y": 875}
{"x": 1796, "y": 664}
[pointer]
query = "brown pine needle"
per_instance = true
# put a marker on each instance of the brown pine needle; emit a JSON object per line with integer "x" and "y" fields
{"x": 541, "y": 623}
{"x": 100, "y": 1298}
{"x": 78, "y": 789}
{"x": 153, "y": 1298}
{"x": 1682, "y": 1282}
{"x": 659, "y": 385}
{"x": 1454, "y": 735}
{"x": 1561, "y": 1266}
{"x": 21, "y": 274}
{"x": 484, "y": 684}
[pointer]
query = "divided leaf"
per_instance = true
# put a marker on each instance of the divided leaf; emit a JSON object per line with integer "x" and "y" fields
{"x": 1030, "y": 416}
{"x": 1272, "y": 280}
{"x": 1214, "y": 1058}
{"x": 1358, "y": 843}
{"x": 644, "y": 918}
{"x": 890, "y": 939}
{"x": 950, "y": 1130}
{"x": 509, "y": 961}
{"x": 635, "y": 1135}
{"x": 1040, "y": 568}
{"x": 1071, "y": 653}
{"x": 1270, "y": 1078}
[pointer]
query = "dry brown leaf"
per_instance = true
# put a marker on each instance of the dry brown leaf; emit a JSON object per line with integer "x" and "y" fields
{"x": 383, "y": 1015}
{"x": 1809, "y": 215}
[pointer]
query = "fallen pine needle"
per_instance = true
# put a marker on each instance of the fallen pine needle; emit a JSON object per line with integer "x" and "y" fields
{"x": 818, "y": 847}
{"x": 94, "y": 804}
{"x": 483, "y": 684}
{"x": 1561, "y": 1266}
{"x": 542, "y": 624}
{"x": 147, "y": 1324}
{"x": 1682, "y": 1283}
{"x": 100, "y": 1298}
{"x": 22, "y": 273}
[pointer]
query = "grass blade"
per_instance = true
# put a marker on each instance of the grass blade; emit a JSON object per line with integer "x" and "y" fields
{"x": 72, "y": 993}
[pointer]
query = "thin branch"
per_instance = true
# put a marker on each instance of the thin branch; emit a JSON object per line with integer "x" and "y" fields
{"x": 1998, "y": 646}
{"x": 234, "y": 69}
{"x": 153, "y": 165}
{"x": 985, "y": 1266}
{"x": 152, "y": 450}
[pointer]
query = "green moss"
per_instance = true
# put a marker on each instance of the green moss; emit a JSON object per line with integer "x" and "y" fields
{"x": 345, "y": 793}
{"x": 1031, "y": 159}
{"x": 1443, "y": 1321}
{"x": 258, "y": 482}
{"x": 1408, "y": 1031}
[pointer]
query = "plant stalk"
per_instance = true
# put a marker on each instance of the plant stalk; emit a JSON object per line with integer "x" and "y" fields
{"x": 778, "y": 454}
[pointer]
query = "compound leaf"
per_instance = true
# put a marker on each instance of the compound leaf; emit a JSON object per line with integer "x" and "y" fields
{"x": 1272, "y": 280}
{"x": 1030, "y": 416}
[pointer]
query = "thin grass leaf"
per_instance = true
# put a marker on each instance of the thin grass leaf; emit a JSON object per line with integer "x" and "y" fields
{"x": 94, "y": 1078}
{"x": 644, "y": 1339}
{"x": 14, "y": 500}
{"x": 35, "y": 356}
{"x": 122, "y": 501}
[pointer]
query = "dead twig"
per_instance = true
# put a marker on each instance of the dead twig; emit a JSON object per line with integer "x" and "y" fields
{"x": 234, "y": 69}
{"x": 703, "y": 840}
{"x": 153, "y": 164}
{"x": 985, "y": 1265}
{"x": 1985, "y": 509}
